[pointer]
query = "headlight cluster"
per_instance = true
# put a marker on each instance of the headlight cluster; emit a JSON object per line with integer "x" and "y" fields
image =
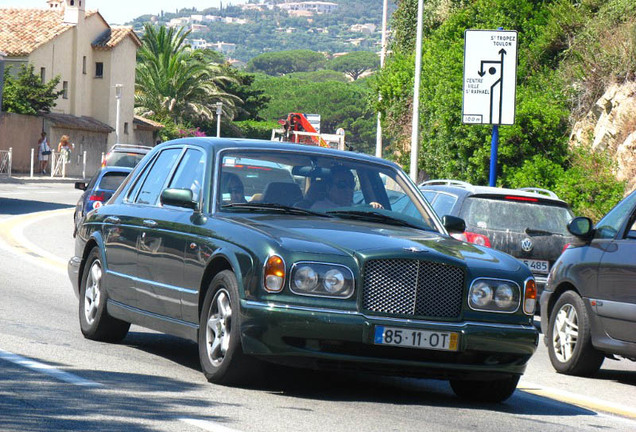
{"x": 494, "y": 295}
{"x": 324, "y": 280}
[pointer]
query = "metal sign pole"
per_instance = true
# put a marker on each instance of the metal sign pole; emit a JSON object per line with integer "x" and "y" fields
{"x": 494, "y": 148}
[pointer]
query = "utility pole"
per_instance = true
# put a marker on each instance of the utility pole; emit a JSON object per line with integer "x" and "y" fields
{"x": 415, "y": 121}
{"x": 118, "y": 89}
{"x": 378, "y": 139}
{"x": 219, "y": 111}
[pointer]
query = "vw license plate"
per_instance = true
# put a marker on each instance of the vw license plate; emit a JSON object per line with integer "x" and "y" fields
{"x": 537, "y": 266}
{"x": 410, "y": 338}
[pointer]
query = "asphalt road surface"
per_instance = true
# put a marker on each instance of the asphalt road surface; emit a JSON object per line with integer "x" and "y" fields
{"x": 52, "y": 379}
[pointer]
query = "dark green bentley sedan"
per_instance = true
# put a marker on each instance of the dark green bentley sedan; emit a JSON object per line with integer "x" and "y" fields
{"x": 304, "y": 256}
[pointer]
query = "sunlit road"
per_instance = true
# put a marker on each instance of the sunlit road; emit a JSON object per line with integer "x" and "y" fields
{"x": 52, "y": 379}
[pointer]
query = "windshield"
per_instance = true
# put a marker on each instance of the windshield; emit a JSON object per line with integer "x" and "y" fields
{"x": 112, "y": 180}
{"x": 321, "y": 184}
{"x": 502, "y": 215}
{"x": 128, "y": 160}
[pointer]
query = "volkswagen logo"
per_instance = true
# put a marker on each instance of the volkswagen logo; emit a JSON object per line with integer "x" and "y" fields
{"x": 526, "y": 244}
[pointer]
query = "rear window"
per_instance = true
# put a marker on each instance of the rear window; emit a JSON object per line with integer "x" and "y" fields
{"x": 112, "y": 180}
{"x": 503, "y": 215}
{"x": 128, "y": 160}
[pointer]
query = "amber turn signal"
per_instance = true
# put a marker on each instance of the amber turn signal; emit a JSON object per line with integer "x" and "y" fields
{"x": 530, "y": 297}
{"x": 274, "y": 277}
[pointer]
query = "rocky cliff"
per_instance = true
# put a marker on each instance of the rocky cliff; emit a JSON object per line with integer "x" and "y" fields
{"x": 611, "y": 127}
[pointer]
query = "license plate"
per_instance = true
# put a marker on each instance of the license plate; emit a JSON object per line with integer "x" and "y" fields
{"x": 537, "y": 266}
{"x": 410, "y": 338}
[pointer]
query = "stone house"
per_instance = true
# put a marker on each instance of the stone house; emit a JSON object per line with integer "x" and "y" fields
{"x": 96, "y": 65}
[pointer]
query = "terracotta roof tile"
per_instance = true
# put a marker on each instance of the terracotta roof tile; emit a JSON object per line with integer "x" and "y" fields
{"x": 24, "y": 30}
{"x": 110, "y": 38}
{"x": 82, "y": 123}
{"x": 146, "y": 123}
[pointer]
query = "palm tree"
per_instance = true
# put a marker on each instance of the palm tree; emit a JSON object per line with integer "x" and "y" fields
{"x": 176, "y": 82}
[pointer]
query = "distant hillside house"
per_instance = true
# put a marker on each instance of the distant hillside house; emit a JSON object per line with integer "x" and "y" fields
{"x": 363, "y": 28}
{"x": 223, "y": 47}
{"x": 310, "y": 6}
{"x": 91, "y": 57}
{"x": 200, "y": 28}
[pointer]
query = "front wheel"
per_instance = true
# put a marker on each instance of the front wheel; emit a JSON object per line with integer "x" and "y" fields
{"x": 485, "y": 391}
{"x": 220, "y": 352}
{"x": 569, "y": 338}
{"x": 95, "y": 322}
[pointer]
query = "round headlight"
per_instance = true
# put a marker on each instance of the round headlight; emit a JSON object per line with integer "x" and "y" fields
{"x": 334, "y": 281}
{"x": 481, "y": 294}
{"x": 305, "y": 279}
{"x": 504, "y": 296}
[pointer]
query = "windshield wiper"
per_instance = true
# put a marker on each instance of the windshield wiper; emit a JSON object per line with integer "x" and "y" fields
{"x": 374, "y": 216}
{"x": 538, "y": 232}
{"x": 276, "y": 207}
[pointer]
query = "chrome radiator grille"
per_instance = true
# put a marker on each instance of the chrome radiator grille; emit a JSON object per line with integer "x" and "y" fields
{"x": 412, "y": 287}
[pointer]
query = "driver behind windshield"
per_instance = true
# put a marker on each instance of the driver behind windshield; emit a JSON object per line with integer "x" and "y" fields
{"x": 340, "y": 187}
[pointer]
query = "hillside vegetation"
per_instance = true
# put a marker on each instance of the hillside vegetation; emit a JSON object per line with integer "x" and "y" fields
{"x": 569, "y": 52}
{"x": 276, "y": 30}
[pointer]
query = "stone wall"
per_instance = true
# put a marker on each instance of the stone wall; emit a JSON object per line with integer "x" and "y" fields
{"x": 20, "y": 132}
{"x": 611, "y": 127}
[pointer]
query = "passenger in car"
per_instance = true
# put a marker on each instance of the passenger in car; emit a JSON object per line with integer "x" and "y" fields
{"x": 232, "y": 184}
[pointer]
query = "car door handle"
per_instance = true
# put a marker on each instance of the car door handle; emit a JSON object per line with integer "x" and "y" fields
{"x": 112, "y": 219}
{"x": 150, "y": 223}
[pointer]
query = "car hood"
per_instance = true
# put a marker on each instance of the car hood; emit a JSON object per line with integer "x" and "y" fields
{"x": 368, "y": 239}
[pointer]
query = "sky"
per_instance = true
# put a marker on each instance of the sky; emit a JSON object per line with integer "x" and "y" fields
{"x": 123, "y": 11}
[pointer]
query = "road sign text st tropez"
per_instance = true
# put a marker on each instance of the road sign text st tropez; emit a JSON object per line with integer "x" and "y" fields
{"x": 490, "y": 76}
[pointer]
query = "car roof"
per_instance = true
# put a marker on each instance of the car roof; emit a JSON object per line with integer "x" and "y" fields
{"x": 129, "y": 148}
{"x": 114, "y": 168}
{"x": 217, "y": 144}
{"x": 463, "y": 189}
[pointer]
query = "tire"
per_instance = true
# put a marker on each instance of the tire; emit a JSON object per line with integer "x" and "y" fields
{"x": 569, "y": 338}
{"x": 95, "y": 322}
{"x": 220, "y": 353}
{"x": 485, "y": 391}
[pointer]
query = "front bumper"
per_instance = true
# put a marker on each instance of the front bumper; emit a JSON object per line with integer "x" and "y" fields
{"x": 332, "y": 339}
{"x": 73, "y": 268}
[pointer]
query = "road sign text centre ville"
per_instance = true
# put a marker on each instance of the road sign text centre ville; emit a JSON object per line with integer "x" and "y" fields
{"x": 490, "y": 76}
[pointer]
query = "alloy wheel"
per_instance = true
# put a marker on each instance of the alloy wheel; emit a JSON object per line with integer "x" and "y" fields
{"x": 565, "y": 334}
{"x": 92, "y": 293}
{"x": 218, "y": 327}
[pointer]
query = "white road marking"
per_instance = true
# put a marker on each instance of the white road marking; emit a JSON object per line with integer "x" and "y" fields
{"x": 12, "y": 238}
{"x": 47, "y": 369}
{"x": 577, "y": 399}
{"x": 207, "y": 425}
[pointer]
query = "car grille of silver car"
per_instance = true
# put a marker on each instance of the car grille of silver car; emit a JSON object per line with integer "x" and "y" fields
{"x": 420, "y": 289}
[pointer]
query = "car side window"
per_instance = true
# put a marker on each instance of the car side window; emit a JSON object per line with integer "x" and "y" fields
{"x": 189, "y": 174}
{"x": 156, "y": 178}
{"x": 444, "y": 204}
{"x": 609, "y": 226}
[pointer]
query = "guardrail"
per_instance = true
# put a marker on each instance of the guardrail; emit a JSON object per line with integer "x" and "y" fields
{"x": 6, "y": 157}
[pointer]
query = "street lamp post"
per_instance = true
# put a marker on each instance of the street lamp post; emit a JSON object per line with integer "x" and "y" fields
{"x": 1, "y": 77}
{"x": 415, "y": 121}
{"x": 378, "y": 139}
{"x": 219, "y": 111}
{"x": 118, "y": 89}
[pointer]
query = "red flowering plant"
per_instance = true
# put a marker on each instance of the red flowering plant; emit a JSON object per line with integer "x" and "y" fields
{"x": 194, "y": 132}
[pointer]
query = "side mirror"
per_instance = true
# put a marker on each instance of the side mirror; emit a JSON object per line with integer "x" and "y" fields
{"x": 80, "y": 185}
{"x": 453, "y": 224}
{"x": 178, "y": 198}
{"x": 580, "y": 227}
